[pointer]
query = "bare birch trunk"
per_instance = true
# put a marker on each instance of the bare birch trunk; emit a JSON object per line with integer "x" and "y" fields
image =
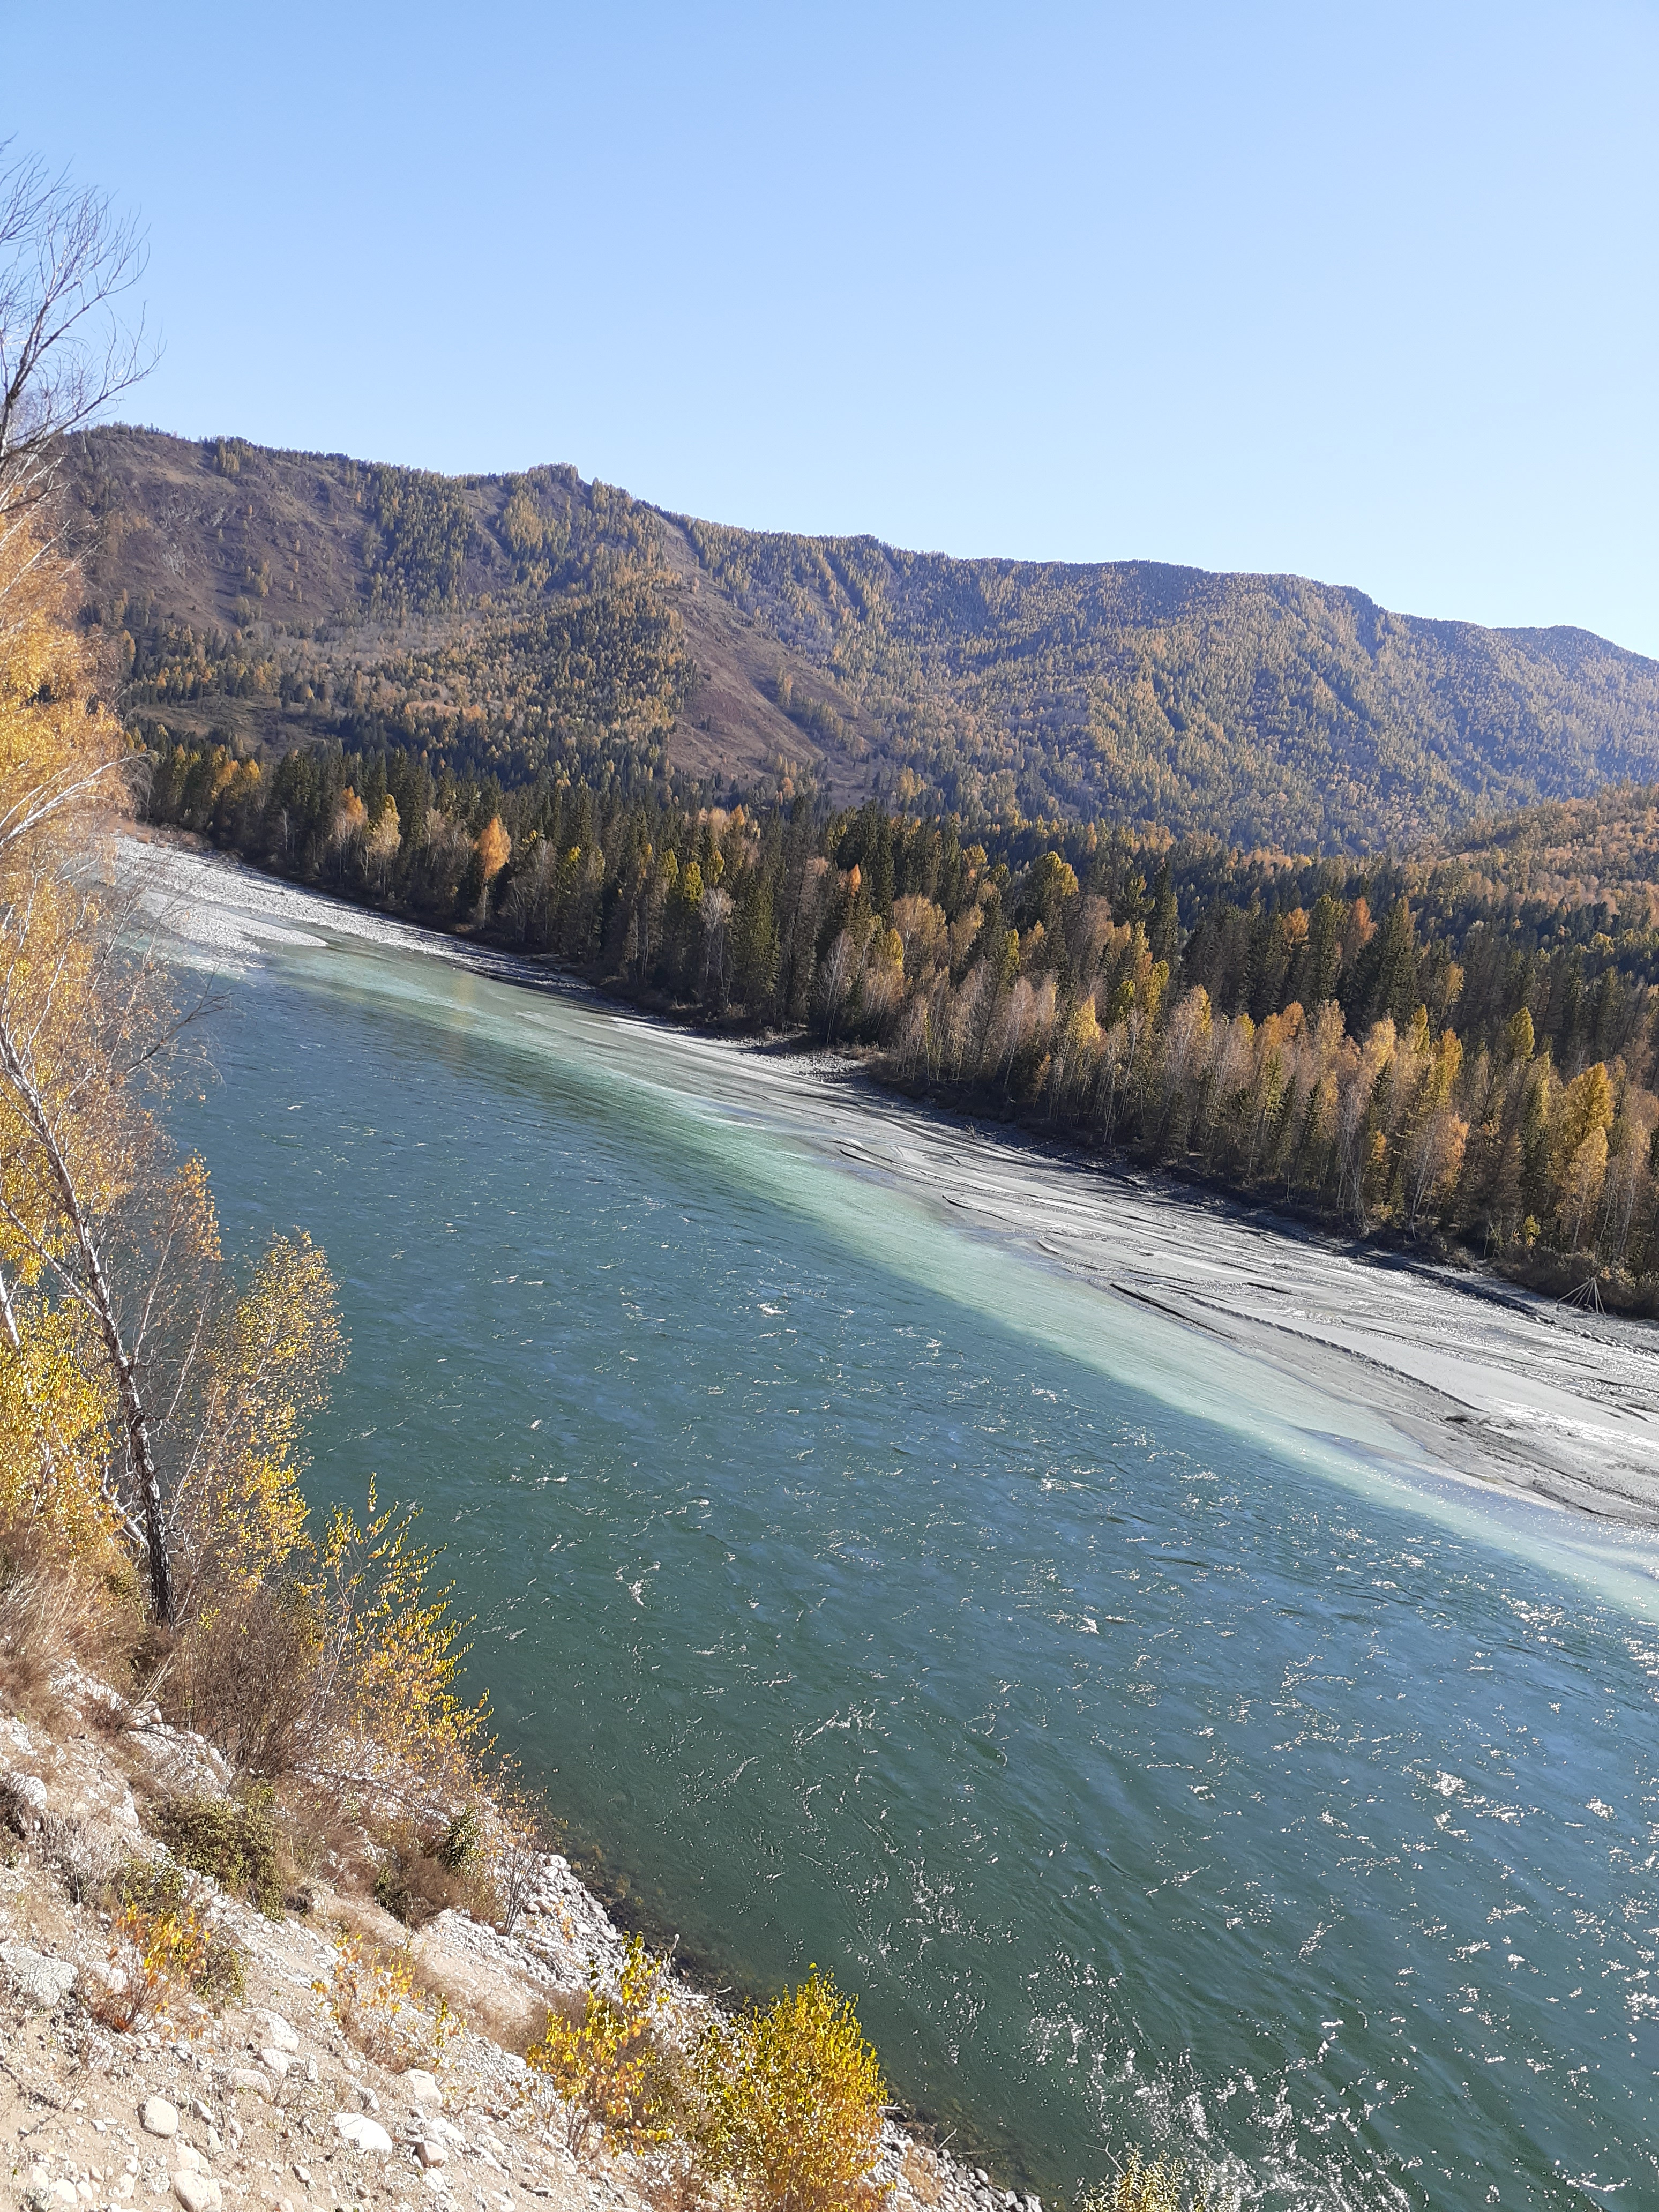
{"x": 90, "y": 1285}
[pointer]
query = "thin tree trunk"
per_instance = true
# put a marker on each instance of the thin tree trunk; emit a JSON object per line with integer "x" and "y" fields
{"x": 94, "y": 1292}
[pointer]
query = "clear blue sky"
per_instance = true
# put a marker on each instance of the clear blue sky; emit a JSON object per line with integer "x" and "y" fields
{"x": 1365, "y": 293}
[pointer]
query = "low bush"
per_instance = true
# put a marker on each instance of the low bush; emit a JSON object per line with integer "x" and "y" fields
{"x": 612, "y": 2065}
{"x": 371, "y": 1996}
{"x": 56, "y": 1611}
{"x": 790, "y": 2103}
{"x": 461, "y": 1841}
{"x": 420, "y": 1876}
{"x": 239, "y": 1844}
{"x": 247, "y": 1676}
{"x": 1145, "y": 2185}
{"x": 164, "y": 1962}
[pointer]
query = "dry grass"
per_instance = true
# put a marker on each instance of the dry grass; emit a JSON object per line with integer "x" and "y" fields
{"x": 40, "y": 1614}
{"x": 514, "y": 2027}
{"x": 373, "y": 1995}
{"x": 244, "y": 1679}
{"x": 56, "y": 1613}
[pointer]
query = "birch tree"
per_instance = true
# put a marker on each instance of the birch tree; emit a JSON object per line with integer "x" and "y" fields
{"x": 67, "y": 259}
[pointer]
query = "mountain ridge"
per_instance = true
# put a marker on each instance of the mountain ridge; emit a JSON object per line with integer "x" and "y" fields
{"x": 535, "y": 621}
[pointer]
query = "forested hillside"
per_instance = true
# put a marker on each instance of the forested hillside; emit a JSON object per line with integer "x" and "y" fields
{"x": 536, "y": 624}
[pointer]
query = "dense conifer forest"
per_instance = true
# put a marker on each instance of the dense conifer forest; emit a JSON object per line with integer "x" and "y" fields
{"x": 1461, "y": 1048}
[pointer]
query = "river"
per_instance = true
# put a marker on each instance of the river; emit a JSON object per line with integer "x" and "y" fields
{"x": 1158, "y": 1746}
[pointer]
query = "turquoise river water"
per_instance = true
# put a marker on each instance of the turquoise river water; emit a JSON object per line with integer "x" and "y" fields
{"x": 874, "y": 1595}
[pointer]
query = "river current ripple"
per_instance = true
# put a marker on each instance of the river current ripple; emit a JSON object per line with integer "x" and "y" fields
{"x": 1152, "y": 1781}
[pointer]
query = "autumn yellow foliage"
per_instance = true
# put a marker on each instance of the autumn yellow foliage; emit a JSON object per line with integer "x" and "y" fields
{"x": 610, "y": 2066}
{"x": 265, "y": 1368}
{"x": 392, "y": 1703}
{"x": 494, "y": 848}
{"x": 167, "y": 1965}
{"x": 54, "y": 1411}
{"x": 792, "y": 2100}
{"x": 153, "y": 1401}
{"x": 60, "y": 755}
{"x": 371, "y": 1995}
{"x": 1145, "y": 2185}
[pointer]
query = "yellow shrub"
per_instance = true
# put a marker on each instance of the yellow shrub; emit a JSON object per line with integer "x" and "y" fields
{"x": 393, "y": 1654}
{"x": 610, "y": 2068}
{"x": 166, "y": 1962}
{"x": 372, "y": 1995}
{"x": 1144, "y": 2185}
{"x": 238, "y": 1504}
{"x": 791, "y": 2104}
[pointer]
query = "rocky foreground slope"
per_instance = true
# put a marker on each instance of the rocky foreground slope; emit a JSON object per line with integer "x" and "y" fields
{"x": 267, "y": 2102}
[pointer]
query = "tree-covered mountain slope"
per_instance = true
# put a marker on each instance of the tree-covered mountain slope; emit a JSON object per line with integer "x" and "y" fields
{"x": 517, "y": 624}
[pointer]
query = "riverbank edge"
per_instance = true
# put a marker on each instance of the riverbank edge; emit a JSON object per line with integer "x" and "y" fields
{"x": 969, "y": 1106}
{"x": 1495, "y": 1432}
{"x": 82, "y": 1770}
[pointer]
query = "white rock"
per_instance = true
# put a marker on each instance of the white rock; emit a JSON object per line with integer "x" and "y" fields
{"x": 311, "y": 2069}
{"x": 39, "y": 1980}
{"x": 435, "y": 2180}
{"x": 270, "y": 2029}
{"x": 422, "y": 2086}
{"x": 361, "y": 2132}
{"x": 275, "y": 2061}
{"x": 190, "y": 2160}
{"x": 159, "y": 2117}
{"x": 195, "y": 2192}
{"x": 254, "y": 2078}
{"x": 62, "y": 2192}
{"x": 431, "y": 2153}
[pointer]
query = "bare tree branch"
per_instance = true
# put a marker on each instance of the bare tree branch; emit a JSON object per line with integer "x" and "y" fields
{"x": 67, "y": 257}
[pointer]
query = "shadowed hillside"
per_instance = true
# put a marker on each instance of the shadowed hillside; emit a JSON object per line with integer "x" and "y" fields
{"x": 514, "y": 625}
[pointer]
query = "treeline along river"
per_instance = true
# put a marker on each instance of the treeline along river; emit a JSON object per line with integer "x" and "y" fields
{"x": 1160, "y": 1761}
